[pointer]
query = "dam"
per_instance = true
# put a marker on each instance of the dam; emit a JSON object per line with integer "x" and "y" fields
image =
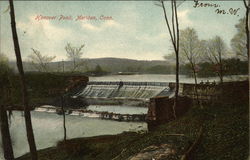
{"x": 105, "y": 92}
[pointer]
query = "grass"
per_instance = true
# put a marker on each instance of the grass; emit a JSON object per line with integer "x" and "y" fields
{"x": 225, "y": 138}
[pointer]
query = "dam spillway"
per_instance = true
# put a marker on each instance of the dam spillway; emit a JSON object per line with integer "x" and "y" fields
{"x": 123, "y": 90}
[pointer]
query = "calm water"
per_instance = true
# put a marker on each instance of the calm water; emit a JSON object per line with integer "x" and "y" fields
{"x": 48, "y": 129}
{"x": 161, "y": 78}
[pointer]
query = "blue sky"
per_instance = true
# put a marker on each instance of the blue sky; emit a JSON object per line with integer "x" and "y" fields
{"x": 137, "y": 29}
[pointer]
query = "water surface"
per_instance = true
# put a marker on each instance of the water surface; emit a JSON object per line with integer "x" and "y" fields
{"x": 48, "y": 129}
{"x": 162, "y": 78}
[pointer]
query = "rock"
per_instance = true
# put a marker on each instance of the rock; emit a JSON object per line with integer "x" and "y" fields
{"x": 161, "y": 152}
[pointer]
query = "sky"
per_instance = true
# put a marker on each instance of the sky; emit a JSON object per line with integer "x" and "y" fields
{"x": 131, "y": 29}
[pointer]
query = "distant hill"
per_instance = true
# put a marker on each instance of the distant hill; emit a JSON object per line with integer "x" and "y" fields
{"x": 108, "y": 64}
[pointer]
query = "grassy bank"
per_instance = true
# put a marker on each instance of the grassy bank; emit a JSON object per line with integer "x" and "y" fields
{"x": 225, "y": 138}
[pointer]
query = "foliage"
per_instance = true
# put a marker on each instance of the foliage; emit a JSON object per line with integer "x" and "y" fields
{"x": 39, "y": 85}
{"x": 39, "y": 61}
{"x": 3, "y": 59}
{"x": 231, "y": 66}
{"x": 5, "y": 74}
{"x": 134, "y": 69}
{"x": 98, "y": 71}
{"x": 160, "y": 69}
{"x": 206, "y": 70}
{"x": 239, "y": 41}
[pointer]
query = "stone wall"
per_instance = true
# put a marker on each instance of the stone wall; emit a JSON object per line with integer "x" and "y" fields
{"x": 212, "y": 92}
{"x": 161, "y": 110}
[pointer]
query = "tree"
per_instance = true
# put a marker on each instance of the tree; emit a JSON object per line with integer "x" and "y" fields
{"x": 39, "y": 61}
{"x": 190, "y": 50}
{"x": 5, "y": 73}
{"x": 74, "y": 54}
{"x": 27, "y": 116}
{"x": 247, "y": 6}
{"x": 174, "y": 35}
{"x": 98, "y": 69}
{"x": 239, "y": 41}
{"x": 64, "y": 118}
{"x": 215, "y": 50}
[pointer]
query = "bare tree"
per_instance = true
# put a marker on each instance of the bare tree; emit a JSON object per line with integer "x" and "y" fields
{"x": 247, "y": 6}
{"x": 74, "y": 54}
{"x": 174, "y": 35}
{"x": 4, "y": 100}
{"x": 29, "y": 128}
{"x": 215, "y": 51}
{"x": 64, "y": 118}
{"x": 190, "y": 50}
{"x": 239, "y": 41}
{"x": 39, "y": 61}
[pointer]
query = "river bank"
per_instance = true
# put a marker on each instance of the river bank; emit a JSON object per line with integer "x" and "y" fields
{"x": 225, "y": 126}
{"x": 49, "y": 131}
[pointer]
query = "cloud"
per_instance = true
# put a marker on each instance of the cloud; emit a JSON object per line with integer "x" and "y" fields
{"x": 183, "y": 17}
{"x": 150, "y": 39}
{"x": 112, "y": 23}
{"x": 43, "y": 29}
{"x": 90, "y": 27}
{"x": 42, "y": 35}
{"x": 98, "y": 28}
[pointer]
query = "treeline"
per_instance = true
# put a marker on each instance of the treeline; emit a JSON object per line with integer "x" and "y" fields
{"x": 231, "y": 66}
{"x": 104, "y": 66}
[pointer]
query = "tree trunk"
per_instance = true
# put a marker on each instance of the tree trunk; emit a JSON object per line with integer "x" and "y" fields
{"x": 74, "y": 65}
{"x": 247, "y": 27}
{"x": 6, "y": 139}
{"x": 177, "y": 58}
{"x": 175, "y": 42}
{"x": 195, "y": 84}
{"x": 221, "y": 68}
{"x": 64, "y": 119}
{"x": 63, "y": 66}
{"x": 176, "y": 84}
{"x": 29, "y": 129}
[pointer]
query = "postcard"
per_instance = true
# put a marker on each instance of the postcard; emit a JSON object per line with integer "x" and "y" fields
{"x": 124, "y": 80}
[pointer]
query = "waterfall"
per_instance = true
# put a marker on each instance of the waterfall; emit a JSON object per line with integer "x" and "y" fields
{"x": 123, "y": 90}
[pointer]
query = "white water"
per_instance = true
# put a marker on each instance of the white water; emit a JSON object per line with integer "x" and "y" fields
{"x": 118, "y": 109}
{"x": 117, "y": 86}
{"x": 126, "y": 91}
